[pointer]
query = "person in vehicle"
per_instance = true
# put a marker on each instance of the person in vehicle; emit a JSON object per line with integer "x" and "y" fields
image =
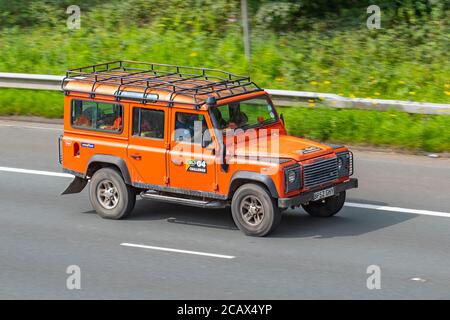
{"x": 184, "y": 127}
{"x": 237, "y": 117}
{"x": 83, "y": 120}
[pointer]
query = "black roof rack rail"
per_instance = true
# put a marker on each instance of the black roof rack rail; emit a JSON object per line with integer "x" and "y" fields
{"x": 195, "y": 82}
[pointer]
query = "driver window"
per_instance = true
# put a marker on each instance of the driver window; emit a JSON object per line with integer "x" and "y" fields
{"x": 191, "y": 128}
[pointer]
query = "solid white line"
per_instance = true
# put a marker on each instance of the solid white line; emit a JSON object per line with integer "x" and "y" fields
{"x": 397, "y": 209}
{"x": 178, "y": 251}
{"x": 29, "y": 127}
{"x": 347, "y": 204}
{"x": 38, "y": 172}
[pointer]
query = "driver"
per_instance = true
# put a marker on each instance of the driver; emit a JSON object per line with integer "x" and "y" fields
{"x": 237, "y": 117}
{"x": 184, "y": 127}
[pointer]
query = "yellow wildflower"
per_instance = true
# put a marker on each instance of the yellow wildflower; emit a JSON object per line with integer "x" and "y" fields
{"x": 413, "y": 93}
{"x": 314, "y": 83}
{"x": 327, "y": 82}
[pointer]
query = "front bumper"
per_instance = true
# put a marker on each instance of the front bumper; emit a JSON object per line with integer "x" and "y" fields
{"x": 308, "y": 196}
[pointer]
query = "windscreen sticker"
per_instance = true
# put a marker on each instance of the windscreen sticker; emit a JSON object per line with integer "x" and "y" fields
{"x": 199, "y": 166}
{"x": 87, "y": 145}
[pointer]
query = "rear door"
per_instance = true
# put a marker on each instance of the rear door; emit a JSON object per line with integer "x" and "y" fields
{"x": 147, "y": 149}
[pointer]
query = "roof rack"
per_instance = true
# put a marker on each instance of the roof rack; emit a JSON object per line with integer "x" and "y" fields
{"x": 197, "y": 83}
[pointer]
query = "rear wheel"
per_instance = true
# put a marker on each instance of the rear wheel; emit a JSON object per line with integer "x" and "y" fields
{"x": 254, "y": 210}
{"x": 326, "y": 207}
{"x": 110, "y": 196}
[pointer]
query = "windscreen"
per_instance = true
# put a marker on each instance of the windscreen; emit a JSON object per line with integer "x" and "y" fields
{"x": 245, "y": 114}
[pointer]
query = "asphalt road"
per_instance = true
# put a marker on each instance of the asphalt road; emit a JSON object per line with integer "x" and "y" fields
{"x": 42, "y": 233}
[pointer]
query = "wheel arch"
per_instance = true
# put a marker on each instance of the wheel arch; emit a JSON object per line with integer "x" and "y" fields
{"x": 98, "y": 161}
{"x": 240, "y": 178}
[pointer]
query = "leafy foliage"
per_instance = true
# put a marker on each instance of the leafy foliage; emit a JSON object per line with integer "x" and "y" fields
{"x": 321, "y": 46}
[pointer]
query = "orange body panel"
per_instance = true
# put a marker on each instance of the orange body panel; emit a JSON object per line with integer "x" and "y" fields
{"x": 163, "y": 162}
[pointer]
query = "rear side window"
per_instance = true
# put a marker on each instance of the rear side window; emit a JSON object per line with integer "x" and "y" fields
{"x": 100, "y": 116}
{"x": 148, "y": 123}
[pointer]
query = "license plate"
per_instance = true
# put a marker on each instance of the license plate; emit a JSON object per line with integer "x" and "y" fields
{"x": 323, "y": 194}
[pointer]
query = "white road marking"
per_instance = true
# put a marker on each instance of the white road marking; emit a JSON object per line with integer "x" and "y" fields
{"x": 38, "y": 172}
{"x": 397, "y": 209}
{"x": 29, "y": 127}
{"x": 418, "y": 279}
{"x": 347, "y": 204}
{"x": 177, "y": 250}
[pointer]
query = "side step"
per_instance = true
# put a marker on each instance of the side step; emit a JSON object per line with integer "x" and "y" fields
{"x": 213, "y": 204}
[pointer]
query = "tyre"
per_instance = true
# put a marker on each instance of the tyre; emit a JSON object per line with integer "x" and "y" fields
{"x": 326, "y": 207}
{"x": 254, "y": 210}
{"x": 110, "y": 197}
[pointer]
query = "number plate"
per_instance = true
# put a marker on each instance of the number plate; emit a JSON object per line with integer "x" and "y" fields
{"x": 323, "y": 194}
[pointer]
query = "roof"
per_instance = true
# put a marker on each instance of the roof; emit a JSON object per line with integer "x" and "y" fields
{"x": 149, "y": 82}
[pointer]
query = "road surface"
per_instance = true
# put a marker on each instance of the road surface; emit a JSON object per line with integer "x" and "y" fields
{"x": 398, "y": 220}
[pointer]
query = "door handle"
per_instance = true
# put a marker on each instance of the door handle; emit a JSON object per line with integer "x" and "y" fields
{"x": 136, "y": 156}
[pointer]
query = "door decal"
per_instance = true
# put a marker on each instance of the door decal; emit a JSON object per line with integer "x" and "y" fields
{"x": 199, "y": 166}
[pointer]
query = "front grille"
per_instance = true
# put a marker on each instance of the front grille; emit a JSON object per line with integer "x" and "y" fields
{"x": 320, "y": 172}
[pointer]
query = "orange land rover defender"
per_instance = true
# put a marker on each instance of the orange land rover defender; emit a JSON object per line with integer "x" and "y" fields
{"x": 193, "y": 136}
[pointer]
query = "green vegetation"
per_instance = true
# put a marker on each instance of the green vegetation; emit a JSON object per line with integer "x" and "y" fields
{"x": 47, "y": 104}
{"x": 321, "y": 46}
{"x": 362, "y": 127}
{"x": 387, "y": 129}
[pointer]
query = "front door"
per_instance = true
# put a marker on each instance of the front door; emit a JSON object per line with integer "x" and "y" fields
{"x": 191, "y": 163}
{"x": 147, "y": 149}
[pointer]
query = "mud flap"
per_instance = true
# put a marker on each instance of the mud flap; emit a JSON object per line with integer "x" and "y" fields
{"x": 76, "y": 186}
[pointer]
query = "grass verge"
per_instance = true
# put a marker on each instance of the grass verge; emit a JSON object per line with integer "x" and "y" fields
{"x": 376, "y": 128}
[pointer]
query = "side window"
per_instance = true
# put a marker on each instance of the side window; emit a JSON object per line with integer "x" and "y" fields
{"x": 148, "y": 123}
{"x": 98, "y": 116}
{"x": 191, "y": 128}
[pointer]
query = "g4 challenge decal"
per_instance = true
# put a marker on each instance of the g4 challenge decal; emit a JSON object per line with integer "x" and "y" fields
{"x": 196, "y": 166}
{"x": 308, "y": 150}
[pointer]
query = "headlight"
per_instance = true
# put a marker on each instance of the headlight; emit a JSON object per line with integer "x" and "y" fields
{"x": 345, "y": 163}
{"x": 340, "y": 163}
{"x": 292, "y": 179}
{"x": 292, "y": 176}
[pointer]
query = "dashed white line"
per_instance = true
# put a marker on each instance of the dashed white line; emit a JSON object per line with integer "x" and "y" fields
{"x": 177, "y": 250}
{"x": 347, "y": 204}
{"x": 38, "y": 172}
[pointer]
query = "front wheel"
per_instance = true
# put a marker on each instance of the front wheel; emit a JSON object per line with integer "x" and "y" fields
{"x": 326, "y": 207}
{"x": 110, "y": 196}
{"x": 254, "y": 210}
